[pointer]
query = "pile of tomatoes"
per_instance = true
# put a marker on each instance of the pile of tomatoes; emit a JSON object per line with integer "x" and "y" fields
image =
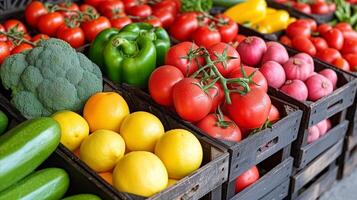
{"x": 335, "y": 45}
{"x": 319, "y": 7}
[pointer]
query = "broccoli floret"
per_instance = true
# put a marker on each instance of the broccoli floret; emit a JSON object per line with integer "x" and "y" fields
{"x": 49, "y": 78}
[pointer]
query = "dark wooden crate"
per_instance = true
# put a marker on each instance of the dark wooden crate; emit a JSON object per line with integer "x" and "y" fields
{"x": 303, "y": 179}
{"x": 80, "y": 180}
{"x": 279, "y": 192}
{"x": 348, "y": 160}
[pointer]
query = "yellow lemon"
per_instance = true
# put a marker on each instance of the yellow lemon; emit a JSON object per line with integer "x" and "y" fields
{"x": 180, "y": 151}
{"x": 171, "y": 182}
{"x": 141, "y": 173}
{"x": 105, "y": 110}
{"x": 74, "y": 128}
{"x": 141, "y": 131}
{"x": 102, "y": 150}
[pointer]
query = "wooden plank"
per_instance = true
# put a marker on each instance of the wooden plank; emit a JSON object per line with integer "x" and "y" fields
{"x": 279, "y": 192}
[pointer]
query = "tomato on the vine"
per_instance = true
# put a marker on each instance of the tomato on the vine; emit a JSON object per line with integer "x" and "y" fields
{"x": 94, "y": 3}
{"x": 224, "y": 129}
{"x": 49, "y": 23}
{"x": 222, "y": 50}
{"x": 4, "y": 51}
{"x": 217, "y": 94}
{"x": 227, "y": 28}
{"x": 130, "y": 3}
{"x": 191, "y": 102}
{"x": 34, "y": 11}
{"x": 39, "y": 37}
{"x": 206, "y": 36}
{"x": 73, "y": 35}
{"x": 111, "y": 8}
{"x": 184, "y": 26}
{"x": 88, "y": 9}
{"x": 93, "y": 27}
{"x": 14, "y": 24}
{"x": 334, "y": 38}
{"x": 71, "y": 7}
{"x": 247, "y": 178}
{"x": 328, "y": 55}
{"x": 250, "y": 110}
{"x": 10, "y": 44}
{"x": 274, "y": 114}
{"x": 21, "y": 47}
{"x": 120, "y": 22}
{"x": 258, "y": 79}
{"x": 3, "y": 38}
{"x": 141, "y": 11}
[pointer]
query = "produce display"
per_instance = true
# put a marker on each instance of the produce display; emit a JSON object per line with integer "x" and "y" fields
{"x": 311, "y": 7}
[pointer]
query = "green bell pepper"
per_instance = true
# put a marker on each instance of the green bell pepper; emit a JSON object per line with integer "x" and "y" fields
{"x": 157, "y": 34}
{"x": 130, "y": 58}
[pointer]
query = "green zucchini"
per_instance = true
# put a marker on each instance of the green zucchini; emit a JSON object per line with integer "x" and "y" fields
{"x": 46, "y": 184}
{"x": 25, "y": 147}
{"x": 83, "y": 197}
{"x": 226, "y": 3}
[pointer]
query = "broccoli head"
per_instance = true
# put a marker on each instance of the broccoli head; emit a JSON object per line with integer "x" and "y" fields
{"x": 49, "y": 78}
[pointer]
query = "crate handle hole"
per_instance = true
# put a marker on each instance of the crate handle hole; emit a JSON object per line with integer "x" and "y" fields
{"x": 237, "y": 166}
{"x": 268, "y": 145}
{"x": 222, "y": 169}
{"x": 333, "y": 105}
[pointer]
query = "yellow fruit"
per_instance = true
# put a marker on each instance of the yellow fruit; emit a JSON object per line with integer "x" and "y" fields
{"x": 141, "y": 173}
{"x": 105, "y": 110}
{"x": 102, "y": 150}
{"x": 180, "y": 151}
{"x": 141, "y": 131}
{"x": 171, "y": 182}
{"x": 74, "y": 128}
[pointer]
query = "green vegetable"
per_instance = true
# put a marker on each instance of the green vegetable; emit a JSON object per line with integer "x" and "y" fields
{"x": 4, "y": 121}
{"x": 226, "y": 3}
{"x": 345, "y": 13}
{"x": 25, "y": 147}
{"x": 49, "y": 184}
{"x": 49, "y": 78}
{"x": 196, "y": 5}
{"x": 83, "y": 197}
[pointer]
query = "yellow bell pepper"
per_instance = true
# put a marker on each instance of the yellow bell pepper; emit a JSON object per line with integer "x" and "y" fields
{"x": 274, "y": 22}
{"x": 291, "y": 20}
{"x": 251, "y": 11}
{"x": 270, "y": 11}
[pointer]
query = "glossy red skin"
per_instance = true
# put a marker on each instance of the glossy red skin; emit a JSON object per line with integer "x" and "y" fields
{"x": 191, "y": 102}
{"x": 239, "y": 38}
{"x": 311, "y": 22}
{"x": 167, "y": 5}
{"x": 209, "y": 126}
{"x": 10, "y": 44}
{"x": 12, "y": 23}
{"x": 166, "y": 17}
{"x": 286, "y": 41}
{"x": 120, "y": 22}
{"x": 319, "y": 43}
{"x": 130, "y": 3}
{"x": 298, "y": 28}
{"x": 39, "y": 37}
{"x": 274, "y": 114}
{"x": 111, "y": 8}
{"x": 184, "y": 26}
{"x": 343, "y": 26}
{"x": 4, "y": 51}
{"x": 156, "y": 22}
{"x": 258, "y": 78}
{"x": 320, "y": 8}
{"x": 142, "y": 11}
{"x": 334, "y": 38}
{"x": 49, "y": 23}
{"x": 303, "y": 44}
{"x": 88, "y": 8}
{"x": 22, "y": 47}
{"x": 217, "y": 95}
{"x": 352, "y": 61}
{"x": 175, "y": 56}
{"x": 328, "y": 55}
{"x": 231, "y": 64}
{"x": 349, "y": 35}
{"x": 74, "y": 36}
{"x": 229, "y": 30}
{"x": 247, "y": 178}
{"x": 3, "y": 38}
{"x": 94, "y": 3}
{"x": 69, "y": 6}
{"x": 161, "y": 84}
{"x": 33, "y": 12}
{"x": 332, "y": 7}
{"x": 349, "y": 46}
{"x": 93, "y": 27}
{"x": 341, "y": 63}
{"x": 303, "y": 7}
{"x": 322, "y": 28}
{"x": 251, "y": 110}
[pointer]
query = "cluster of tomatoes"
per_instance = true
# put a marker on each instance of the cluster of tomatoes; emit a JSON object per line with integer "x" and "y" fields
{"x": 335, "y": 45}
{"x": 319, "y": 7}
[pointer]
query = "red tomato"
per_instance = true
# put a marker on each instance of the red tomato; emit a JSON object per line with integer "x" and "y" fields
{"x": 93, "y": 27}
{"x": 49, "y": 23}
{"x": 34, "y": 11}
{"x": 141, "y": 11}
{"x": 88, "y": 9}
{"x": 130, "y": 3}
{"x": 223, "y": 49}
{"x": 22, "y": 47}
{"x": 299, "y": 28}
{"x": 302, "y": 43}
{"x": 120, "y": 22}
{"x": 247, "y": 178}
{"x": 319, "y": 43}
{"x": 320, "y": 8}
{"x": 349, "y": 35}
{"x": 343, "y": 26}
{"x": 161, "y": 84}
{"x": 94, "y": 3}
{"x": 10, "y": 44}
{"x": 178, "y": 57}
{"x": 311, "y": 22}
{"x": 166, "y": 17}
{"x": 217, "y": 95}
{"x": 191, "y": 102}
{"x": 167, "y": 5}
{"x": 228, "y": 28}
{"x": 69, "y": 6}
{"x": 286, "y": 41}
{"x": 3, "y": 38}
{"x": 224, "y": 129}
{"x": 250, "y": 110}
{"x": 328, "y": 55}
{"x": 239, "y": 38}
{"x": 4, "y": 51}
{"x": 352, "y": 61}
{"x": 184, "y": 26}
{"x": 206, "y": 36}
{"x": 111, "y": 8}
{"x": 341, "y": 63}
{"x": 274, "y": 114}
{"x": 332, "y": 7}
{"x": 153, "y": 21}
{"x": 39, "y": 37}
{"x": 334, "y": 38}
{"x": 14, "y": 24}
{"x": 74, "y": 36}
{"x": 302, "y": 7}
{"x": 323, "y": 28}
{"x": 258, "y": 79}
{"x": 349, "y": 46}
